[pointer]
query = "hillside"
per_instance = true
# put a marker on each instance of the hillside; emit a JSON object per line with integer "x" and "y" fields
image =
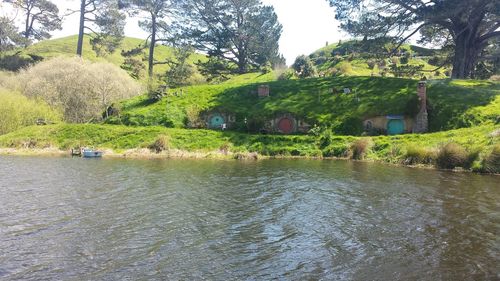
{"x": 354, "y": 57}
{"x": 67, "y": 47}
{"x": 320, "y": 101}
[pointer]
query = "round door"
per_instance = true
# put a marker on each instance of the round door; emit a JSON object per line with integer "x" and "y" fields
{"x": 285, "y": 125}
{"x": 395, "y": 127}
{"x": 216, "y": 121}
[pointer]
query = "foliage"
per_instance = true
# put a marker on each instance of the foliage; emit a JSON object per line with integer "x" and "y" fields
{"x": 491, "y": 163}
{"x": 180, "y": 69}
{"x": 155, "y": 23}
{"x": 466, "y": 25}
{"x": 303, "y": 67}
{"x": 243, "y": 32}
{"x": 17, "y": 111}
{"x": 406, "y": 70}
{"x": 160, "y": 144}
{"x": 81, "y": 90}
{"x": 17, "y": 62}
{"x": 418, "y": 155}
{"x": 450, "y": 156}
{"x": 41, "y": 17}
{"x": 360, "y": 148}
{"x": 9, "y": 36}
{"x": 105, "y": 20}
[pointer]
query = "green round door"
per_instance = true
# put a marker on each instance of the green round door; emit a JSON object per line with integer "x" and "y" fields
{"x": 395, "y": 127}
{"x": 216, "y": 121}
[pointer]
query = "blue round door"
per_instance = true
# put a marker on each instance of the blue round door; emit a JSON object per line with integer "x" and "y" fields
{"x": 216, "y": 121}
{"x": 395, "y": 127}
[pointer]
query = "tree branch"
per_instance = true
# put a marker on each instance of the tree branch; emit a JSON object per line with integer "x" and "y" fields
{"x": 406, "y": 38}
{"x": 488, "y": 36}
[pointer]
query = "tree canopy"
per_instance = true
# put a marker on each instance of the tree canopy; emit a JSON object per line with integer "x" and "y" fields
{"x": 9, "y": 35}
{"x": 105, "y": 22}
{"x": 467, "y": 25}
{"x": 41, "y": 17}
{"x": 243, "y": 32}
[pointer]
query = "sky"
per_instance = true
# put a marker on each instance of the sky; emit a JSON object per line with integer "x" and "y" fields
{"x": 307, "y": 25}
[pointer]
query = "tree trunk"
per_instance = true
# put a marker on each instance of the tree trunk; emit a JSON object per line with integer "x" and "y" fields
{"x": 152, "y": 47}
{"x": 79, "y": 46}
{"x": 465, "y": 57}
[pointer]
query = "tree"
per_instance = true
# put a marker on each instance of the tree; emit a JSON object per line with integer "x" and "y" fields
{"x": 468, "y": 24}
{"x": 105, "y": 22}
{"x": 156, "y": 13}
{"x": 304, "y": 67}
{"x": 9, "y": 35}
{"x": 41, "y": 17}
{"x": 243, "y": 32}
{"x": 180, "y": 69}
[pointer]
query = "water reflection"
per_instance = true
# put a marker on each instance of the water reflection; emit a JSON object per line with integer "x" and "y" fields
{"x": 69, "y": 219}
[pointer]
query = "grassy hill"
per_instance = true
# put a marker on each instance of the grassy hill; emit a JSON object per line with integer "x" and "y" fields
{"x": 67, "y": 47}
{"x": 454, "y": 104}
{"x": 352, "y": 57}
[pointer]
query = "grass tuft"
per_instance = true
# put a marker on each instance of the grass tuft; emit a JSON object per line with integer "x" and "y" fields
{"x": 450, "y": 156}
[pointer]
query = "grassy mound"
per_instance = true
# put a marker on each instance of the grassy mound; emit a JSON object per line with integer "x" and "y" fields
{"x": 320, "y": 101}
{"x": 67, "y": 47}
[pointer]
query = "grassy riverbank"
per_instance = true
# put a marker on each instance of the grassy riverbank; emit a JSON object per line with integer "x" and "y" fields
{"x": 477, "y": 146}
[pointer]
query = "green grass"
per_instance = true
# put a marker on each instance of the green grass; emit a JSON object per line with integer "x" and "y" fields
{"x": 120, "y": 138}
{"x": 67, "y": 47}
{"x": 455, "y": 104}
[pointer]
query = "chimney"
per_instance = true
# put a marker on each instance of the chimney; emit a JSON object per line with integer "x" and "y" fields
{"x": 422, "y": 120}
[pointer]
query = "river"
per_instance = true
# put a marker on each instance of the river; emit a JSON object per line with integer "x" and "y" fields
{"x": 78, "y": 219}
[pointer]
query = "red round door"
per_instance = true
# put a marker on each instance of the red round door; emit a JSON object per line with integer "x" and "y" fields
{"x": 285, "y": 125}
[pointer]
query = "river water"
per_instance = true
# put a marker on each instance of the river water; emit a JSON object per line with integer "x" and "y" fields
{"x": 77, "y": 219}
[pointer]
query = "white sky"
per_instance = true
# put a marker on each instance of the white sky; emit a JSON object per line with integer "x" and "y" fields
{"x": 307, "y": 25}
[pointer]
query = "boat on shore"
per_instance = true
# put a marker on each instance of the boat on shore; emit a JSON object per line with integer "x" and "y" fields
{"x": 91, "y": 153}
{"x": 86, "y": 152}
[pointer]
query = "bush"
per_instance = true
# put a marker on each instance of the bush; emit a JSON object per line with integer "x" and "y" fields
{"x": 17, "y": 111}
{"x": 345, "y": 68}
{"x": 417, "y": 155}
{"x": 304, "y": 67}
{"x": 450, "y": 156}
{"x": 160, "y": 144}
{"x": 287, "y": 74}
{"x": 80, "y": 89}
{"x": 16, "y": 62}
{"x": 193, "y": 117}
{"x": 371, "y": 63}
{"x": 360, "y": 147}
{"x": 491, "y": 163}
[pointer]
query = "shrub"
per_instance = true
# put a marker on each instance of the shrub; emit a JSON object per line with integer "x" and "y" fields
{"x": 395, "y": 60}
{"x": 304, "y": 67}
{"x": 491, "y": 163}
{"x": 160, "y": 144}
{"x": 495, "y": 78}
{"x": 17, "y": 111}
{"x": 360, "y": 147}
{"x": 287, "y": 74}
{"x": 193, "y": 117}
{"x": 417, "y": 155}
{"x": 80, "y": 89}
{"x": 371, "y": 63}
{"x": 450, "y": 156}
{"x": 345, "y": 68}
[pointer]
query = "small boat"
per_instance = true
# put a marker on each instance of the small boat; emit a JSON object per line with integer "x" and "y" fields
{"x": 90, "y": 153}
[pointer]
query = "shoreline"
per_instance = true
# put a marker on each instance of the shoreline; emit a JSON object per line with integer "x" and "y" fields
{"x": 146, "y": 154}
